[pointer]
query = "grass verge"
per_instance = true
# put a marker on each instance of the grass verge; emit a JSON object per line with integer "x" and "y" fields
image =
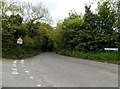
{"x": 19, "y": 53}
{"x": 110, "y": 57}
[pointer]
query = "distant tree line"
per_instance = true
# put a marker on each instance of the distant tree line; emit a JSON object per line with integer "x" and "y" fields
{"x": 29, "y": 22}
{"x": 91, "y": 32}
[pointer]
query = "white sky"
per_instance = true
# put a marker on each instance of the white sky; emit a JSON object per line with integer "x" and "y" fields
{"x": 59, "y": 9}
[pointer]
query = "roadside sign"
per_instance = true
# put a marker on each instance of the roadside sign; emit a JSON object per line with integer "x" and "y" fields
{"x": 110, "y": 48}
{"x": 19, "y": 40}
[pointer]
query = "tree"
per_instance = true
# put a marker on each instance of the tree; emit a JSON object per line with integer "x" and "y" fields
{"x": 71, "y": 26}
{"x": 12, "y": 28}
{"x": 16, "y": 26}
{"x": 118, "y": 16}
{"x": 56, "y": 36}
{"x": 35, "y": 33}
{"x": 107, "y": 18}
{"x": 12, "y": 7}
{"x": 118, "y": 25}
{"x": 90, "y": 31}
{"x": 33, "y": 13}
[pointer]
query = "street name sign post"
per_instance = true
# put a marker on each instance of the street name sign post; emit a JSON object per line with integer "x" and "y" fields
{"x": 111, "y": 49}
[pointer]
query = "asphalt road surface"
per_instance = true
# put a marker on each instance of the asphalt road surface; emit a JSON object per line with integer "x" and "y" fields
{"x": 53, "y": 70}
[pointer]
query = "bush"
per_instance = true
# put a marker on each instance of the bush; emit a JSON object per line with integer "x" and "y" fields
{"x": 108, "y": 56}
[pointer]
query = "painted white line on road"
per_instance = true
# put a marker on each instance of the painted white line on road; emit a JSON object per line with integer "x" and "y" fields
{"x": 15, "y": 61}
{"x": 31, "y": 77}
{"x": 39, "y": 85}
{"x": 22, "y": 61}
{"x": 15, "y": 72}
{"x": 14, "y": 69}
{"x": 27, "y": 71}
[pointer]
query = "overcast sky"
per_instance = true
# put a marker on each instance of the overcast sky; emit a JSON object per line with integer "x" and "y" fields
{"x": 59, "y": 9}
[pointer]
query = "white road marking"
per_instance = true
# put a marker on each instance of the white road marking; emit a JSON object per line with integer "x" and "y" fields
{"x": 15, "y": 61}
{"x": 22, "y": 61}
{"x": 15, "y": 72}
{"x": 31, "y": 77}
{"x": 14, "y": 69}
{"x": 27, "y": 71}
{"x": 39, "y": 85}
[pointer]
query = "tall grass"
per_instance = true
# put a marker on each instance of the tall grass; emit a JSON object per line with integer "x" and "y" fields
{"x": 19, "y": 53}
{"x": 107, "y": 56}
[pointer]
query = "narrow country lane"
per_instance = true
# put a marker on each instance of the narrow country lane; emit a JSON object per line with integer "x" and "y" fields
{"x": 53, "y": 70}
